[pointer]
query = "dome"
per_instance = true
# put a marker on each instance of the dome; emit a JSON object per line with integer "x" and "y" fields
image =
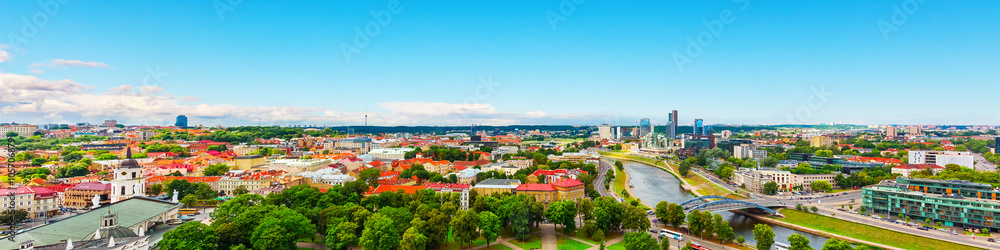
{"x": 109, "y": 227}
{"x": 128, "y": 162}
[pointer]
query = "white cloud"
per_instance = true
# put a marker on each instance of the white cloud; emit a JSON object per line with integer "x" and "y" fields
{"x": 4, "y": 56}
{"x": 536, "y": 114}
{"x": 27, "y": 97}
{"x": 37, "y": 71}
{"x": 62, "y": 63}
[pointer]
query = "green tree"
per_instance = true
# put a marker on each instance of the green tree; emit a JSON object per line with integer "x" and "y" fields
{"x": 240, "y": 190}
{"x": 281, "y": 229}
{"x": 155, "y": 189}
{"x": 770, "y": 188}
{"x": 190, "y": 200}
{"x": 413, "y": 240}
{"x": 464, "y": 227}
{"x": 835, "y": 244}
{"x": 72, "y": 157}
{"x": 608, "y": 214}
{"x": 798, "y": 242}
{"x": 665, "y": 244}
{"x": 675, "y": 215}
{"x": 695, "y": 223}
{"x": 379, "y": 233}
{"x": 764, "y": 236}
{"x": 8, "y": 216}
{"x": 520, "y": 221}
{"x": 821, "y": 185}
{"x": 662, "y": 210}
{"x": 639, "y": 241}
{"x": 740, "y": 239}
{"x": 190, "y": 235}
{"x": 564, "y": 213}
{"x": 489, "y": 225}
{"x": 722, "y": 229}
{"x": 635, "y": 219}
{"x": 370, "y": 176}
{"x": 342, "y": 235}
{"x": 11, "y": 134}
{"x": 216, "y": 170}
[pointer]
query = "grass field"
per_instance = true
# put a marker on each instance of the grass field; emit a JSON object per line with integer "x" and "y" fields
{"x": 617, "y": 246}
{"x": 705, "y": 186}
{"x": 565, "y": 243}
{"x": 865, "y": 232}
{"x": 580, "y": 235}
{"x": 534, "y": 242}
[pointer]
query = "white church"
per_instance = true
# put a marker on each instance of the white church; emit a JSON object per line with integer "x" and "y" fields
{"x": 128, "y": 180}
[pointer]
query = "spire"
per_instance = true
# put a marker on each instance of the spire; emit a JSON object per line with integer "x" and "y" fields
{"x": 111, "y": 241}
{"x": 69, "y": 244}
{"x": 97, "y": 234}
{"x": 128, "y": 152}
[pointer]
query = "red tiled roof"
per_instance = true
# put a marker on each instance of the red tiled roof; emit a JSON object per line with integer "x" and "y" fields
{"x": 568, "y": 183}
{"x": 394, "y": 188}
{"x": 187, "y": 178}
{"x": 536, "y": 187}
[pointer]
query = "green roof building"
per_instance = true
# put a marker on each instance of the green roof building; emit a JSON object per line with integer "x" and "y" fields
{"x": 953, "y": 202}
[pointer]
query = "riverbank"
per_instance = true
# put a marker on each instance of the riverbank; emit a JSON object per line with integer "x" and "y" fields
{"x": 865, "y": 231}
{"x": 695, "y": 183}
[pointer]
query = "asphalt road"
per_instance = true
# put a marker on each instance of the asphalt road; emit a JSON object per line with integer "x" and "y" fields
{"x": 982, "y": 164}
{"x": 599, "y": 181}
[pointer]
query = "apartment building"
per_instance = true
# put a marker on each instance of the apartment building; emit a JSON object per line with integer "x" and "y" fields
{"x": 20, "y": 129}
{"x": 942, "y": 158}
{"x": 951, "y": 202}
{"x": 37, "y": 201}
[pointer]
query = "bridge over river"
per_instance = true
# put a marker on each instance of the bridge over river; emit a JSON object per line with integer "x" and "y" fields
{"x": 718, "y": 203}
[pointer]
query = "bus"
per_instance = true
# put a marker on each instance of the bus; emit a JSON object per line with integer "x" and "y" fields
{"x": 671, "y": 234}
{"x": 187, "y": 211}
{"x": 781, "y": 246}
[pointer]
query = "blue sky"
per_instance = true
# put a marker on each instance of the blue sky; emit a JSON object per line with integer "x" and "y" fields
{"x": 501, "y": 62}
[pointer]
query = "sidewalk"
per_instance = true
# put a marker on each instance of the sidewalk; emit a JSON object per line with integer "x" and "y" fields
{"x": 549, "y": 241}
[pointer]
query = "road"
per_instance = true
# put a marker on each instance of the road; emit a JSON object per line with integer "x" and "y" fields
{"x": 982, "y": 164}
{"x": 599, "y": 181}
{"x": 934, "y": 234}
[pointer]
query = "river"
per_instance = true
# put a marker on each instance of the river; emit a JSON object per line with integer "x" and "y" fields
{"x": 653, "y": 185}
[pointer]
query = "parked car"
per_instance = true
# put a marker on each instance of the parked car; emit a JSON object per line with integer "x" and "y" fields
{"x": 991, "y": 240}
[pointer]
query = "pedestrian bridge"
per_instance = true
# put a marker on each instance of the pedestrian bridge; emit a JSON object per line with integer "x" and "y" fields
{"x": 715, "y": 203}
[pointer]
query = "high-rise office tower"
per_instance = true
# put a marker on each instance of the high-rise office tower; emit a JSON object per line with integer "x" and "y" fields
{"x": 182, "y": 121}
{"x": 645, "y": 127}
{"x": 698, "y": 129}
{"x": 672, "y": 125}
{"x": 604, "y": 131}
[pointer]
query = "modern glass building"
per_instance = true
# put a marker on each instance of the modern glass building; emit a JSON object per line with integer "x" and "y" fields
{"x": 645, "y": 127}
{"x": 952, "y": 202}
{"x": 672, "y": 125}
{"x": 699, "y": 128}
{"x": 182, "y": 121}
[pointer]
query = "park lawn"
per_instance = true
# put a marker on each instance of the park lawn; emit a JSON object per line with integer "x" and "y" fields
{"x": 565, "y": 243}
{"x": 617, "y": 246}
{"x": 582, "y": 236}
{"x": 865, "y": 232}
{"x": 451, "y": 244}
{"x": 534, "y": 242}
{"x": 705, "y": 186}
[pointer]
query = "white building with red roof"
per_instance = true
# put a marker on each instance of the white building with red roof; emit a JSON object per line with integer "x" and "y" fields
{"x": 37, "y": 201}
{"x": 907, "y": 169}
{"x": 453, "y": 188}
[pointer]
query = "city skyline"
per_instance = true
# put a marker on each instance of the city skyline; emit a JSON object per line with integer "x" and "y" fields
{"x": 499, "y": 63}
